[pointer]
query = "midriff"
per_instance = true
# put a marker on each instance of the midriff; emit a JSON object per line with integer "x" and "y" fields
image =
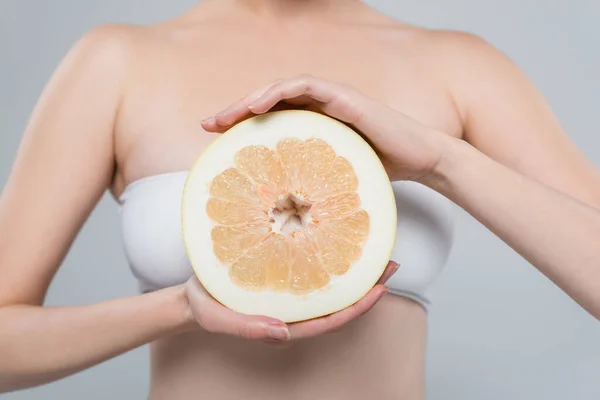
{"x": 381, "y": 355}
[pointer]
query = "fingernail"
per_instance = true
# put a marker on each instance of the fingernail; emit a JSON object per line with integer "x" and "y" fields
{"x": 251, "y": 107}
{"x": 279, "y": 332}
{"x": 208, "y": 120}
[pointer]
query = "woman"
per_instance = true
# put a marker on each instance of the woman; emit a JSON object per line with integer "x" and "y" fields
{"x": 452, "y": 119}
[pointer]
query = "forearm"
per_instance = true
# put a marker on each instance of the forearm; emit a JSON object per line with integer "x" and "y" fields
{"x": 556, "y": 233}
{"x": 39, "y": 345}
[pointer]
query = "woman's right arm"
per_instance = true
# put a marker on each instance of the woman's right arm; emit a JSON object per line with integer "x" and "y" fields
{"x": 63, "y": 166}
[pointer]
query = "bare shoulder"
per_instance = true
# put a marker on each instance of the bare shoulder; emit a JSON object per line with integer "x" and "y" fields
{"x": 117, "y": 46}
{"x": 103, "y": 54}
{"x": 469, "y": 66}
{"x": 466, "y": 57}
{"x": 111, "y": 44}
{"x": 458, "y": 47}
{"x": 456, "y": 40}
{"x": 452, "y": 46}
{"x": 465, "y": 48}
{"x": 111, "y": 55}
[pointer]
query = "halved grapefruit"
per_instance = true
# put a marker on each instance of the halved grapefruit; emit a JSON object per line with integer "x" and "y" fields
{"x": 290, "y": 215}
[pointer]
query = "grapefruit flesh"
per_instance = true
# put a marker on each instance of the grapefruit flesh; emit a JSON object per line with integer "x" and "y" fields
{"x": 290, "y": 215}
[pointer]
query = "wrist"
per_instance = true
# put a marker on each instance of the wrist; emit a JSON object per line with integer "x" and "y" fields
{"x": 184, "y": 319}
{"x": 454, "y": 154}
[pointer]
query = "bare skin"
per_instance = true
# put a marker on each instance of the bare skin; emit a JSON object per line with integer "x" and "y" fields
{"x": 128, "y": 103}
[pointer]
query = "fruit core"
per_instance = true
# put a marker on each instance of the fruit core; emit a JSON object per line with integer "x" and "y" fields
{"x": 290, "y": 213}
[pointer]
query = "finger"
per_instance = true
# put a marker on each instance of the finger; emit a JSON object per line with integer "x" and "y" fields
{"x": 317, "y": 94}
{"x": 216, "y": 318}
{"x": 253, "y": 327}
{"x": 333, "y": 99}
{"x": 302, "y": 103}
{"x": 235, "y": 112}
{"x": 319, "y": 326}
{"x": 239, "y": 109}
{"x": 303, "y": 86}
{"x": 210, "y": 124}
{"x": 259, "y": 328}
{"x": 389, "y": 271}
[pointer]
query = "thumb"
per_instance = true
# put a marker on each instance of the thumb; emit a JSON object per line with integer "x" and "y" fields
{"x": 256, "y": 327}
{"x": 216, "y": 318}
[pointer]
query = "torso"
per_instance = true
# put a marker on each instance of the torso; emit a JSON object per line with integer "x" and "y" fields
{"x": 187, "y": 70}
{"x": 379, "y": 356}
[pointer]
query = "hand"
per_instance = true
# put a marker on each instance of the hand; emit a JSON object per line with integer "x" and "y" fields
{"x": 408, "y": 149}
{"x": 213, "y": 317}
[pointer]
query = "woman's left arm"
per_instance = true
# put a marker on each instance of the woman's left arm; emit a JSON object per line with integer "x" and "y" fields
{"x": 506, "y": 117}
{"x": 516, "y": 172}
{"x": 554, "y": 231}
{"x": 520, "y": 174}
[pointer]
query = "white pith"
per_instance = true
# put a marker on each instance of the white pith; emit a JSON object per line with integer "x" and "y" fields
{"x": 374, "y": 190}
{"x": 290, "y": 212}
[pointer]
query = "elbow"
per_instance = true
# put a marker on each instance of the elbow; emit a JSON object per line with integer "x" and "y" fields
{"x": 13, "y": 380}
{"x": 5, "y": 385}
{"x": 9, "y": 382}
{"x": 596, "y": 312}
{"x": 592, "y": 306}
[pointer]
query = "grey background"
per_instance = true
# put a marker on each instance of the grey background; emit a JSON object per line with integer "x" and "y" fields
{"x": 499, "y": 329}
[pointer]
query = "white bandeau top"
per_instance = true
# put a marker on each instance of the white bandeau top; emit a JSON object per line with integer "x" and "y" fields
{"x": 151, "y": 228}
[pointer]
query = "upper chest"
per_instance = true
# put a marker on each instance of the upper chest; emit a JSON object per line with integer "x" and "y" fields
{"x": 179, "y": 80}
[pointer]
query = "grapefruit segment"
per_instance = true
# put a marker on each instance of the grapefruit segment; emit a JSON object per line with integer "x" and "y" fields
{"x": 231, "y": 241}
{"x": 249, "y": 271}
{"x": 278, "y": 265}
{"x": 291, "y": 154}
{"x": 354, "y": 228}
{"x": 230, "y": 213}
{"x": 335, "y": 207}
{"x": 307, "y": 272}
{"x": 336, "y": 253}
{"x": 339, "y": 179}
{"x": 262, "y": 166}
{"x": 319, "y": 160}
{"x": 233, "y": 186}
